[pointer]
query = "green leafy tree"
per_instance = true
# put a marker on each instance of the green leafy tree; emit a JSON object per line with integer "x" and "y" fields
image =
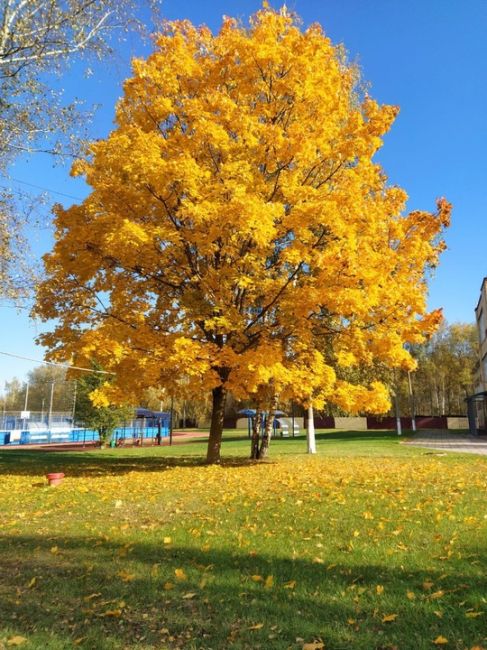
{"x": 444, "y": 376}
{"x": 98, "y": 414}
{"x": 14, "y": 394}
{"x": 40, "y": 381}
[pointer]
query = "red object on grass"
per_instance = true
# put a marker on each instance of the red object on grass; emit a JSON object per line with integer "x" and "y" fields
{"x": 55, "y": 478}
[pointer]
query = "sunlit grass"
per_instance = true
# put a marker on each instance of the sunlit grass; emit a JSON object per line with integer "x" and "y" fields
{"x": 369, "y": 545}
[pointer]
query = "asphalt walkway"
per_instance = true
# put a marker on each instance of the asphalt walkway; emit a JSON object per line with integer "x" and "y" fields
{"x": 447, "y": 441}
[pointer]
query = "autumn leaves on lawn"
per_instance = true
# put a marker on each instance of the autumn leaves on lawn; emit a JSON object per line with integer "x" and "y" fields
{"x": 329, "y": 549}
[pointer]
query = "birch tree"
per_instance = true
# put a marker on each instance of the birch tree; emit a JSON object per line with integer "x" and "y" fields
{"x": 39, "y": 39}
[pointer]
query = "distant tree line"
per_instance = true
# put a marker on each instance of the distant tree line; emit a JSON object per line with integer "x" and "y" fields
{"x": 445, "y": 373}
{"x": 40, "y": 382}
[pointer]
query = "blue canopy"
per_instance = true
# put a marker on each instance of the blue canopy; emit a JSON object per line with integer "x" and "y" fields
{"x": 147, "y": 413}
{"x": 249, "y": 413}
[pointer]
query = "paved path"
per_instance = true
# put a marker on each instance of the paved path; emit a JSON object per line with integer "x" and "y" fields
{"x": 447, "y": 441}
{"x": 179, "y": 438}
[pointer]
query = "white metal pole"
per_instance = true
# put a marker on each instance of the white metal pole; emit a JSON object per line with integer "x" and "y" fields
{"x": 26, "y": 402}
{"x": 74, "y": 404}
{"x": 311, "y": 440}
{"x": 49, "y": 419}
{"x": 26, "y": 397}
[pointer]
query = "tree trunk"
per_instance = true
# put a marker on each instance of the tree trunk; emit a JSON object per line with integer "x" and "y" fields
{"x": 102, "y": 437}
{"x": 266, "y": 438}
{"x": 256, "y": 426}
{"x": 310, "y": 431}
{"x": 219, "y": 395}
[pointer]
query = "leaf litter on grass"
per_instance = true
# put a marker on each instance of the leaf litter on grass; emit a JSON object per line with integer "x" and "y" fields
{"x": 353, "y": 552}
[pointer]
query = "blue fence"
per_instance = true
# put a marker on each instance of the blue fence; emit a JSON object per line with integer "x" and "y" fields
{"x": 35, "y": 437}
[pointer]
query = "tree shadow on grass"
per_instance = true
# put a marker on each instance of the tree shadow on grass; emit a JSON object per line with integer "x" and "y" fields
{"x": 57, "y": 591}
{"x": 35, "y": 463}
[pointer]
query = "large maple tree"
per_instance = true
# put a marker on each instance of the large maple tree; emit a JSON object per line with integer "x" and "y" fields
{"x": 238, "y": 235}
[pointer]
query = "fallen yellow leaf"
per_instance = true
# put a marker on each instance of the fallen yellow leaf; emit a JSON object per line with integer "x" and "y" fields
{"x": 440, "y": 640}
{"x": 389, "y": 618}
{"x": 91, "y": 596}
{"x": 180, "y": 574}
{"x": 256, "y": 626}
{"x": 112, "y": 613}
{"x": 16, "y": 640}
{"x": 126, "y": 576}
{"x": 269, "y": 582}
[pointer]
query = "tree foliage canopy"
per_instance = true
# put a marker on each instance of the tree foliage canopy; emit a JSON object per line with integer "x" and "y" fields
{"x": 40, "y": 381}
{"x": 93, "y": 410}
{"x": 238, "y": 232}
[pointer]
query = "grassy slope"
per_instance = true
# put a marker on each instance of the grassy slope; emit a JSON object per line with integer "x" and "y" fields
{"x": 367, "y": 545}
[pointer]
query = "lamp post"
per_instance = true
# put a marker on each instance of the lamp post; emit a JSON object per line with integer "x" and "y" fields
{"x": 26, "y": 403}
{"x": 49, "y": 417}
{"x": 74, "y": 403}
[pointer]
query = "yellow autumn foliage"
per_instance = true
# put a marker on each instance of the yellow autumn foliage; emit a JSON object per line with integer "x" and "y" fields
{"x": 238, "y": 232}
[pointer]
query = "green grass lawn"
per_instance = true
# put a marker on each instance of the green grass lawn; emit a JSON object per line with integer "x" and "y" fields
{"x": 367, "y": 545}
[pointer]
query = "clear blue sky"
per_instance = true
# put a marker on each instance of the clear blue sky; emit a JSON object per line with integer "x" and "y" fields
{"x": 429, "y": 57}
